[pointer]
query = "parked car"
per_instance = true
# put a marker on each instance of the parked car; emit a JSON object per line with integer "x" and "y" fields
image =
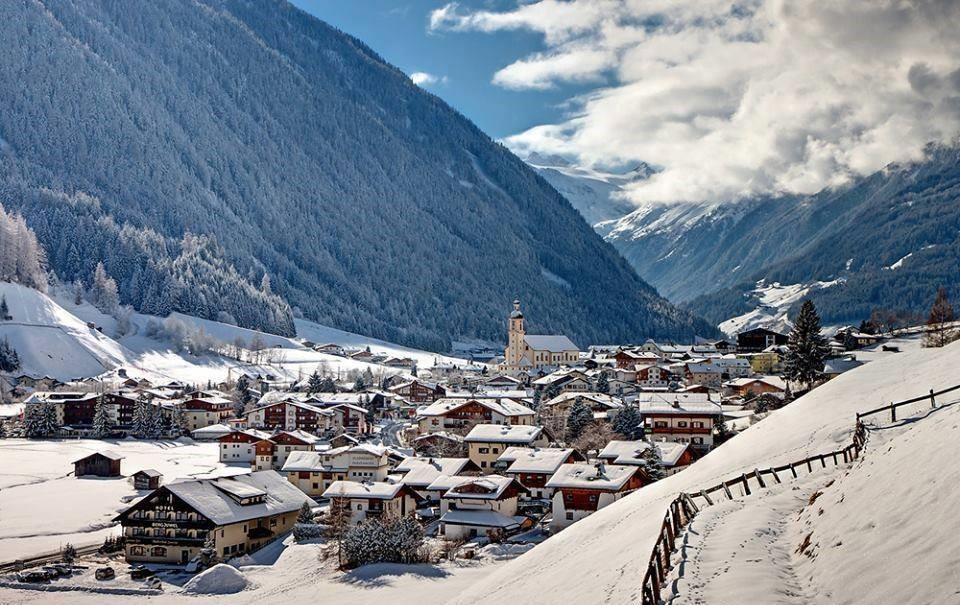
{"x": 34, "y": 576}
{"x": 105, "y": 573}
{"x": 139, "y": 572}
{"x": 153, "y": 582}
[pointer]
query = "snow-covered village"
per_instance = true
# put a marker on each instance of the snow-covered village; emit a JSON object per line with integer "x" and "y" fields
{"x": 479, "y": 302}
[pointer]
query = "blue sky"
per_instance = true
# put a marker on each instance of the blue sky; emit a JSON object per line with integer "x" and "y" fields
{"x": 397, "y": 30}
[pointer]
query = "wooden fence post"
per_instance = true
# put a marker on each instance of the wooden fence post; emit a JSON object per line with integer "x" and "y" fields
{"x": 726, "y": 490}
{"x": 793, "y": 470}
{"x": 746, "y": 486}
{"x": 893, "y": 413}
{"x": 756, "y": 472}
{"x": 809, "y": 466}
{"x": 706, "y": 497}
{"x": 933, "y": 402}
{"x": 775, "y": 476}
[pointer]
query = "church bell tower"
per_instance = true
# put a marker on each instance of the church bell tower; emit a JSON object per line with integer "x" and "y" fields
{"x": 515, "y": 334}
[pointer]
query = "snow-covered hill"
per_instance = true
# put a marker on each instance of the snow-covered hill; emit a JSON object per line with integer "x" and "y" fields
{"x": 602, "y": 558}
{"x": 53, "y": 337}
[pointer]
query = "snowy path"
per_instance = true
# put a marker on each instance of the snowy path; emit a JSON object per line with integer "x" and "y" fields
{"x": 743, "y": 550}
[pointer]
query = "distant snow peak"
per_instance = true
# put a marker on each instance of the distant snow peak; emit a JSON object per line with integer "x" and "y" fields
{"x": 773, "y": 305}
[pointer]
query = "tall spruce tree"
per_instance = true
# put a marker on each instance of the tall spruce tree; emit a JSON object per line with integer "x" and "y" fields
{"x": 101, "y": 419}
{"x": 579, "y": 418}
{"x": 603, "y": 383}
{"x": 653, "y": 463}
{"x": 807, "y": 348}
{"x": 141, "y": 419}
{"x": 628, "y": 423}
{"x": 4, "y": 309}
{"x": 315, "y": 383}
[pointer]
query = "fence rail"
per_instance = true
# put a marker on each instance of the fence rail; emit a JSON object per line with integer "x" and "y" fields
{"x": 892, "y": 408}
{"x": 683, "y": 508}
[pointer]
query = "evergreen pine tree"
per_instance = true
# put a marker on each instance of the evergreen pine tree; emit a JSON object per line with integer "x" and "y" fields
{"x": 141, "y": 419}
{"x": 806, "y": 348}
{"x": 51, "y": 426}
{"x": 578, "y": 419}
{"x": 176, "y": 429}
{"x": 155, "y": 428}
{"x": 535, "y": 404}
{"x": 315, "y": 383}
{"x": 653, "y": 463}
{"x": 305, "y": 516}
{"x": 101, "y": 420}
{"x": 9, "y": 359}
{"x": 3, "y": 430}
{"x": 603, "y": 384}
{"x": 33, "y": 421}
{"x": 69, "y": 554}
{"x": 628, "y": 423}
{"x": 328, "y": 385}
{"x": 4, "y": 309}
{"x": 77, "y": 292}
{"x": 938, "y": 322}
{"x": 359, "y": 384}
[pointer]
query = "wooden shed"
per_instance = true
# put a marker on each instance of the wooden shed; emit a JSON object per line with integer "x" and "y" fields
{"x": 148, "y": 478}
{"x": 99, "y": 464}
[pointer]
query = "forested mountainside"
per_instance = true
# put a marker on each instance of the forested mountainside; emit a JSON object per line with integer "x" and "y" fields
{"x": 890, "y": 240}
{"x": 296, "y": 153}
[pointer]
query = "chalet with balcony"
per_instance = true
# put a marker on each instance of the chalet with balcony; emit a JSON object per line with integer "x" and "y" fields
{"x": 372, "y": 499}
{"x": 486, "y": 442}
{"x": 680, "y": 417}
{"x": 480, "y": 506}
{"x": 419, "y": 391}
{"x": 534, "y": 467}
{"x": 272, "y": 452}
{"x": 239, "y": 514}
{"x": 447, "y": 414}
{"x": 759, "y": 339}
{"x": 582, "y": 489}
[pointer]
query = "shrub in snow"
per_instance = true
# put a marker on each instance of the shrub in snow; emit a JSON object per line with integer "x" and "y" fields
{"x": 303, "y": 532}
{"x": 219, "y": 579}
{"x": 387, "y": 541}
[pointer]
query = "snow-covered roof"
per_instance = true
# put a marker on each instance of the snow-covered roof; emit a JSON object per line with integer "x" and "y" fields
{"x": 423, "y": 475}
{"x": 504, "y": 407}
{"x": 490, "y": 487}
{"x": 534, "y": 460}
{"x": 676, "y": 403}
{"x": 479, "y": 518}
{"x": 608, "y": 401}
{"x": 212, "y": 497}
{"x": 631, "y": 452}
{"x": 446, "y": 466}
{"x": 503, "y": 433}
{"x": 305, "y": 461}
{"x": 554, "y": 343}
{"x": 109, "y": 454}
{"x": 774, "y": 381}
{"x": 607, "y": 477}
{"x": 377, "y": 490}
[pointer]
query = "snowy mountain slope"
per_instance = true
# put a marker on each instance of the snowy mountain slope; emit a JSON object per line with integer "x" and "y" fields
{"x": 594, "y": 193}
{"x": 773, "y": 303}
{"x": 601, "y": 559}
{"x": 52, "y": 342}
{"x": 52, "y": 338}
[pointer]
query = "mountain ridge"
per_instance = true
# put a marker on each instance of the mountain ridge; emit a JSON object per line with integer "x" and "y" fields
{"x": 370, "y": 204}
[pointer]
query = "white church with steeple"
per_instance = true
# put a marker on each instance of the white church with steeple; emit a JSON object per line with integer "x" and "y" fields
{"x": 526, "y": 352}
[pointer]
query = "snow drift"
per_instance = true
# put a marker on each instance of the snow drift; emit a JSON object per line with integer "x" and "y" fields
{"x": 219, "y": 579}
{"x": 603, "y": 558}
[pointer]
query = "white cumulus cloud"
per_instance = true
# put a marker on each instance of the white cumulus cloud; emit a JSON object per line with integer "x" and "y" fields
{"x": 736, "y": 99}
{"x": 422, "y": 78}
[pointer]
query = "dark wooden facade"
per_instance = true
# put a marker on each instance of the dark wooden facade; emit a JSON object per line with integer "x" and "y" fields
{"x": 98, "y": 465}
{"x": 758, "y": 339}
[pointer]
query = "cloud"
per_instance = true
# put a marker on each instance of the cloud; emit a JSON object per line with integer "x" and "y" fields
{"x": 422, "y": 78}
{"x": 732, "y": 100}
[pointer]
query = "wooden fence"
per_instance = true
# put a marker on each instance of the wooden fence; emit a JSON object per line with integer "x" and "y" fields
{"x": 684, "y": 507}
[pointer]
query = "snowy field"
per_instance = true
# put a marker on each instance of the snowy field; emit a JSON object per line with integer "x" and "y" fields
{"x": 53, "y": 338}
{"x": 43, "y": 506}
{"x": 291, "y": 573}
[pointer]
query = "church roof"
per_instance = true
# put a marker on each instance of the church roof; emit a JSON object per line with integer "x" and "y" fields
{"x": 551, "y": 343}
